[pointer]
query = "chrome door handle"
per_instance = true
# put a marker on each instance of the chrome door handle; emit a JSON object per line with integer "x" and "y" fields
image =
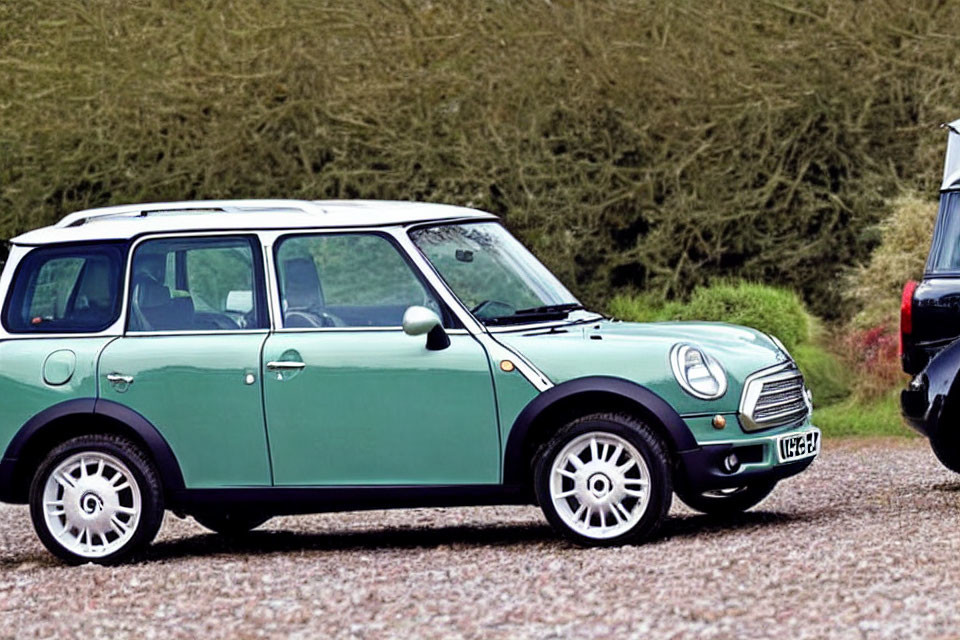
{"x": 116, "y": 378}
{"x": 284, "y": 365}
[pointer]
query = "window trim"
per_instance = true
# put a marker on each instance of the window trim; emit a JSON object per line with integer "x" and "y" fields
{"x": 449, "y": 320}
{"x": 259, "y": 281}
{"x": 66, "y": 249}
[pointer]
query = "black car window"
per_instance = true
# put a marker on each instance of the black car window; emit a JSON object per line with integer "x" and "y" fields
{"x": 74, "y": 289}
{"x": 346, "y": 280}
{"x": 197, "y": 284}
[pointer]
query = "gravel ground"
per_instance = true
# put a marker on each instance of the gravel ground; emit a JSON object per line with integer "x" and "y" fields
{"x": 863, "y": 545}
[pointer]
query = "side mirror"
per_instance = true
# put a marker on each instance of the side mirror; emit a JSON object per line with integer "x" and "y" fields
{"x": 420, "y": 320}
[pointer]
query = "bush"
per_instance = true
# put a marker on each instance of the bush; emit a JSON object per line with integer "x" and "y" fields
{"x": 872, "y": 355}
{"x": 875, "y": 288}
{"x": 768, "y": 309}
{"x": 657, "y": 145}
{"x": 642, "y": 308}
{"x": 824, "y": 374}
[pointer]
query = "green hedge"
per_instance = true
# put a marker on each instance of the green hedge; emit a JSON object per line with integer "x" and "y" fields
{"x": 775, "y": 311}
{"x": 654, "y": 145}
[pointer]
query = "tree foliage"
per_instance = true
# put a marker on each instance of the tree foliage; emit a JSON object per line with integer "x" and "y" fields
{"x": 645, "y": 144}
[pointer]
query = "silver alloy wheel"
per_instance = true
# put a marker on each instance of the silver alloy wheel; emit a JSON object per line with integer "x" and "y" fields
{"x": 91, "y": 504}
{"x": 600, "y": 485}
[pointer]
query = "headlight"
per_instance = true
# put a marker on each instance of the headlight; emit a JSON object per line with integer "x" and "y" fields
{"x": 699, "y": 374}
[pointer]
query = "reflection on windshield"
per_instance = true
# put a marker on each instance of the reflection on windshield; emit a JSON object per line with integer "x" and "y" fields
{"x": 494, "y": 275}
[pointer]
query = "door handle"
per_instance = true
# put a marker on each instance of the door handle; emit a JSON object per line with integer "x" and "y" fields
{"x": 117, "y": 378}
{"x": 285, "y": 365}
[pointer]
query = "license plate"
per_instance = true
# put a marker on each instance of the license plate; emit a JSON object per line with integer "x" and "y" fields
{"x": 797, "y": 446}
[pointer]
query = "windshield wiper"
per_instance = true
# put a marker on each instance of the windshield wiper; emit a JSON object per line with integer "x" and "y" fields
{"x": 546, "y": 312}
{"x": 550, "y": 308}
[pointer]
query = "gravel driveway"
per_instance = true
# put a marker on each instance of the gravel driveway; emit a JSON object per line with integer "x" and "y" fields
{"x": 866, "y": 544}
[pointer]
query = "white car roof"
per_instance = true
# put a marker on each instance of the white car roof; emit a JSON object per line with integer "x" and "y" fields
{"x": 127, "y": 221}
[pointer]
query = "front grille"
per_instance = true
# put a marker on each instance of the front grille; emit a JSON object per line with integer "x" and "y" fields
{"x": 774, "y": 398}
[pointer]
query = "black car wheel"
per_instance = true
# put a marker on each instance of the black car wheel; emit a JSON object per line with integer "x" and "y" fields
{"x": 726, "y": 501}
{"x": 230, "y": 523}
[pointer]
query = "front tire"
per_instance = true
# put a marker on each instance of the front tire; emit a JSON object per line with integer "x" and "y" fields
{"x": 96, "y": 498}
{"x": 230, "y": 524}
{"x": 604, "y": 480}
{"x": 723, "y": 502}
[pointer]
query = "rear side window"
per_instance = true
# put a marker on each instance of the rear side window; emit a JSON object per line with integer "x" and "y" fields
{"x": 197, "y": 284}
{"x": 66, "y": 290}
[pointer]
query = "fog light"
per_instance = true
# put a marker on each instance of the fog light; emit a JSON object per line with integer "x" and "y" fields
{"x": 719, "y": 422}
{"x": 731, "y": 463}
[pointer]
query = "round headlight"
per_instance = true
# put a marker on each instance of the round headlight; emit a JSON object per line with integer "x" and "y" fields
{"x": 699, "y": 374}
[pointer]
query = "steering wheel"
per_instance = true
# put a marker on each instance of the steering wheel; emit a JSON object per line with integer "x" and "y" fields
{"x": 330, "y": 320}
{"x": 483, "y": 310}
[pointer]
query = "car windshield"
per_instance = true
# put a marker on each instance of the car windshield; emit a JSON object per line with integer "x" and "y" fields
{"x": 493, "y": 274}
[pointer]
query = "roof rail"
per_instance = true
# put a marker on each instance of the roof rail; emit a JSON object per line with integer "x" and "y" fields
{"x": 222, "y": 206}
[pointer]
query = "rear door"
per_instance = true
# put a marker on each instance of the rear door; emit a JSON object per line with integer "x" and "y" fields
{"x": 189, "y": 360}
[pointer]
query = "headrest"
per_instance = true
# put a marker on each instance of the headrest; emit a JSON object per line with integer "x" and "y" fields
{"x": 301, "y": 284}
{"x": 151, "y": 295}
{"x": 149, "y": 264}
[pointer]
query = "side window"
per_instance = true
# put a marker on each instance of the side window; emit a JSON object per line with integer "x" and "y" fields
{"x": 201, "y": 284}
{"x": 346, "y": 280}
{"x": 66, "y": 290}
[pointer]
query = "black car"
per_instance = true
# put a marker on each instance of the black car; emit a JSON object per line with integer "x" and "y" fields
{"x": 930, "y": 325}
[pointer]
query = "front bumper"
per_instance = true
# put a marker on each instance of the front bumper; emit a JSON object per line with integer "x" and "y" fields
{"x": 702, "y": 469}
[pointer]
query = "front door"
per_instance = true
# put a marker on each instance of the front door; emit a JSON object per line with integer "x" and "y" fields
{"x": 189, "y": 361}
{"x": 370, "y": 405}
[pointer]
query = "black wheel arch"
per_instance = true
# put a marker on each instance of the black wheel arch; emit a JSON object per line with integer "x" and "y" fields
{"x": 554, "y": 407}
{"x": 76, "y": 417}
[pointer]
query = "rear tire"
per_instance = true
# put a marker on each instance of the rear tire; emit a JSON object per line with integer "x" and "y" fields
{"x": 604, "y": 480}
{"x": 96, "y": 498}
{"x": 229, "y": 523}
{"x": 726, "y": 502}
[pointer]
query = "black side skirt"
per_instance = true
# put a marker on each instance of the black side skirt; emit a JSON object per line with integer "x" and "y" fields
{"x": 279, "y": 501}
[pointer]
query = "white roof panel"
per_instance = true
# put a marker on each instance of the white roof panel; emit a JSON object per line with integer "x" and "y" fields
{"x": 127, "y": 221}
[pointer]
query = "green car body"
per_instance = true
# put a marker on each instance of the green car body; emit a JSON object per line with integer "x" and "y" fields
{"x": 249, "y": 407}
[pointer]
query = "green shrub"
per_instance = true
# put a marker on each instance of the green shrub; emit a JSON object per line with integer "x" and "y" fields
{"x": 854, "y": 417}
{"x": 775, "y": 311}
{"x": 823, "y": 372}
{"x": 642, "y": 308}
{"x": 875, "y": 287}
{"x": 656, "y": 145}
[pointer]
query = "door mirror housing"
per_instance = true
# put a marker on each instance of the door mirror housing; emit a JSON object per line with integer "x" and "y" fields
{"x": 420, "y": 320}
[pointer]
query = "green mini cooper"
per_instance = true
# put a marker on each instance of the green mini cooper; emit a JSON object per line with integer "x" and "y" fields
{"x": 237, "y": 360}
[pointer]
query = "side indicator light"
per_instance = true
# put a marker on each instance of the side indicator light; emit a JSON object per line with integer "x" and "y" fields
{"x": 507, "y": 366}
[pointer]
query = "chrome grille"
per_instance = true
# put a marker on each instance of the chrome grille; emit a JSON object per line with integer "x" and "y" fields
{"x": 774, "y": 398}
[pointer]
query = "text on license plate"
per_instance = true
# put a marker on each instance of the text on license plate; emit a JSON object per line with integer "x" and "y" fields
{"x": 798, "y": 445}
